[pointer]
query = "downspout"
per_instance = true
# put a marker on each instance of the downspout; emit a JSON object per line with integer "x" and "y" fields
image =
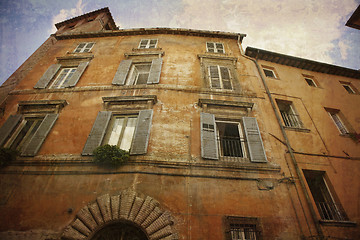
{"x": 290, "y": 150}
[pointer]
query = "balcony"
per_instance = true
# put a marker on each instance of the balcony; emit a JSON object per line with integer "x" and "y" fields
{"x": 291, "y": 120}
{"x": 330, "y": 211}
{"x": 232, "y": 149}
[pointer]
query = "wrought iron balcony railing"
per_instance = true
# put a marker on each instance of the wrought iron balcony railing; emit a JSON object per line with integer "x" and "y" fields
{"x": 231, "y": 148}
{"x": 330, "y": 211}
{"x": 291, "y": 120}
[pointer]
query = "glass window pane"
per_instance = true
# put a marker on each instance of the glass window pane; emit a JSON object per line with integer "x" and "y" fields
{"x": 128, "y": 133}
{"x": 116, "y": 131}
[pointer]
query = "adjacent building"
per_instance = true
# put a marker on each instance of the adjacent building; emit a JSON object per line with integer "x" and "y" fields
{"x": 224, "y": 144}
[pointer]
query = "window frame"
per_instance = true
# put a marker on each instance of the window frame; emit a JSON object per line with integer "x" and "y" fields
{"x": 348, "y": 88}
{"x": 328, "y": 211}
{"x": 79, "y": 49}
{"x": 220, "y": 77}
{"x": 245, "y": 222}
{"x": 148, "y": 45}
{"x": 307, "y": 79}
{"x": 242, "y": 138}
{"x": 133, "y": 77}
{"x": 216, "y": 49}
{"x": 61, "y": 82}
{"x": 270, "y": 70}
{"x": 28, "y": 134}
{"x": 108, "y": 131}
{"x": 292, "y": 119}
{"x": 343, "y": 125}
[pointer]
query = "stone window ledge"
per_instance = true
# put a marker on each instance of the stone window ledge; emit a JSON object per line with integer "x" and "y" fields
{"x": 297, "y": 129}
{"x": 338, "y": 223}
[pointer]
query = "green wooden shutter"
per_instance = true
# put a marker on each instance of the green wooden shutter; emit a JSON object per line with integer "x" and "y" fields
{"x": 209, "y": 146}
{"x": 142, "y": 132}
{"x": 122, "y": 72}
{"x": 155, "y": 71}
{"x": 39, "y": 136}
{"x": 77, "y": 74}
{"x": 8, "y": 128}
{"x": 48, "y": 75}
{"x": 97, "y": 133}
{"x": 254, "y": 141}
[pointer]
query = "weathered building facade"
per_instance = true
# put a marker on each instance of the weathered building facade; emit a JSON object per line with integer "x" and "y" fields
{"x": 224, "y": 144}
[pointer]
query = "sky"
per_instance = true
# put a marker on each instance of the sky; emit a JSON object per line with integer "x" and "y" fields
{"x": 311, "y": 29}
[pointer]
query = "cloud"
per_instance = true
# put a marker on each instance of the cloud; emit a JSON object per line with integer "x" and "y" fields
{"x": 343, "y": 47}
{"x": 308, "y": 29}
{"x": 65, "y": 14}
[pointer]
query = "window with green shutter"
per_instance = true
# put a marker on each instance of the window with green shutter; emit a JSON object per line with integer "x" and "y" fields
{"x": 59, "y": 76}
{"x": 138, "y": 72}
{"x": 129, "y": 132}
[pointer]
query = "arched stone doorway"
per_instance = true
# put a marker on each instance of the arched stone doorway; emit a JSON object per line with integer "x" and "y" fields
{"x": 126, "y": 213}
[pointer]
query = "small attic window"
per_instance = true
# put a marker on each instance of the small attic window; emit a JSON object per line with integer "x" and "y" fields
{"x": 91, "y": 19}
{"x": 72, "y": 26}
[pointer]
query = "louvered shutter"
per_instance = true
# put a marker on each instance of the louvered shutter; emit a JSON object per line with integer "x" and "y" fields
{"x": 77, "y": 74}
{"x": 225, "y": 78}
{"x": 122, "y": 72}
{"x": 97, "y": 132}
{"x": 8, "y": 128}
{"x": 254, "y": 141}
{"x": 142, "y": 132}
{"x": 214, "y": 77}
{"x": 48, "y": 75}
{"x": 39, "y": 136}
{"x": 209, "y": 147}
{"x": 155, "y": 71}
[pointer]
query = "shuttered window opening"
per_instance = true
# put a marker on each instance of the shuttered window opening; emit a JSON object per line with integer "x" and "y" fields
{"x": 128, "y": 132}
{"x": 136, "y": 73}
{"x": 148, "y": 43}
{"x": 139, "y": 74}
{"x": 84, "y": 47}
{"x": 220, "y": 77}
{"x": 63, "y": 78}
{"x": 26, "y": 134}
{"x": 348, "y": 88}
{"x": 231, "y": 141}
{"x": 23, "y": 133}
{"x": 58, "y": 77}
{"x": 121, "y": 131}
{"x": 243, "y": 232}
{"x": 214, "y": 47}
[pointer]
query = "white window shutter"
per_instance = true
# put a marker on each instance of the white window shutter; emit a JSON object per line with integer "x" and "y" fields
{"x": 122, "y": 72}
{"x": 254, "y": 141}
{"x": 142, "y": 132}
{"x": 155, "y": 71}
{"x": 8, "y": 128}
{"x": 48, "y": 75}
{"x": 209, "y": 146}
{"x": 225, "y": 77}
{"x": 97, "y": 132}
{"x": 77, "y": 74}
{"x": 39, "y": 136}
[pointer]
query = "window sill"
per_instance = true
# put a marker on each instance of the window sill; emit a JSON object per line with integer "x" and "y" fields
{"x": 297, "y": 129}
{"x": 338, "y": 223}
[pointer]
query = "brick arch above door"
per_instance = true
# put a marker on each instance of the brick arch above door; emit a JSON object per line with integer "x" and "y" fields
{"x": 142, "y": 211}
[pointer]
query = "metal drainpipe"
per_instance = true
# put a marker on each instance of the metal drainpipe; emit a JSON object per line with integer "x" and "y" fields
{"x": 298, "y": 172}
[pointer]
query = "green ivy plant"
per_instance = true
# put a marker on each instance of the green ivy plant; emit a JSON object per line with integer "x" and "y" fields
{"x": 7, "y": 155}
{"x": 110, "y": 155}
